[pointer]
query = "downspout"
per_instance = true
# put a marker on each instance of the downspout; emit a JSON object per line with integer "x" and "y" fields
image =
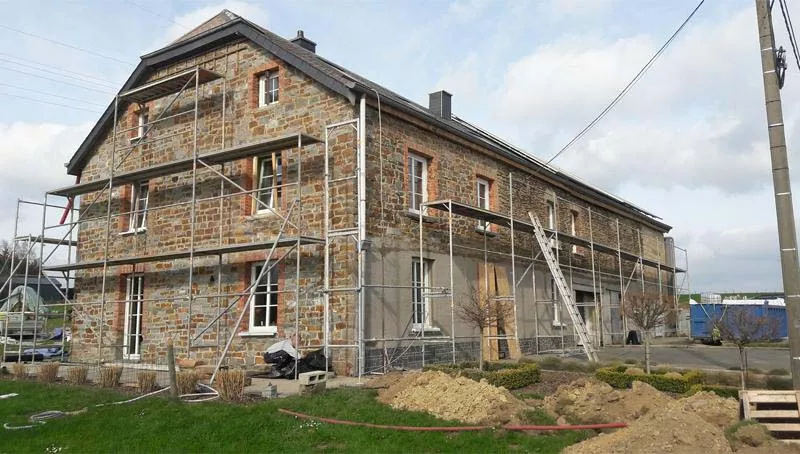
{"x": 70, "y": 200}
{"x": 362, "y": 220}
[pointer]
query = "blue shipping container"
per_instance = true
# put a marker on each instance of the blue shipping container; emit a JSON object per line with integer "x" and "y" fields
{"x": 703, "y": 315}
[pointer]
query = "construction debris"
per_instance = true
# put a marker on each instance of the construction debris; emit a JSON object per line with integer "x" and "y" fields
{"x": 452, "y": 398}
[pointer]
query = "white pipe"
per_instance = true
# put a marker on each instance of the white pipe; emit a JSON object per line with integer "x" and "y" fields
{"x": 362, "y": 221}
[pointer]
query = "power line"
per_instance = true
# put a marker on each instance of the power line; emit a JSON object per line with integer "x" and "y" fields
{"x": 49, "y": 68}
{"x": 790, "y": 31}
{"x": 56, "y": 80}
{"x": 69, "y": 46}
{"x": 627, "y": 87}
{"x": 48, "y": 102}
{"x": 50, "y": 94}
{"x": 154, "y": 13}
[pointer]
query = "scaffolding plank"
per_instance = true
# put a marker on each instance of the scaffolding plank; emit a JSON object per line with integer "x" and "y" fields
{"x": 481, "y": 214}
{"x": 186, "y": 164}
{"x": 167, "y": 85}
{"x": 48, "y": 240}
{"x": 199, "y": 252}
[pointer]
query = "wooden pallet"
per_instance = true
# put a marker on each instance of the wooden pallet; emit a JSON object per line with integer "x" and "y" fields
{"x": 778, "y": 411}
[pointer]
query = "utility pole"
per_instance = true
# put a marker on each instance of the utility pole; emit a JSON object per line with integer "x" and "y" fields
{"x": 787, "y": 240}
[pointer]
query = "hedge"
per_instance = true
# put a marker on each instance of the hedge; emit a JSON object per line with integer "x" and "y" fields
{"x": 507, "y": 375}
{"x": 721, "y": 391}
{"x": 617, "y": 378}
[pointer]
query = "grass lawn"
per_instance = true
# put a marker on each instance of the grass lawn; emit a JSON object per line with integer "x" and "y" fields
{"x": 158, "y": 425}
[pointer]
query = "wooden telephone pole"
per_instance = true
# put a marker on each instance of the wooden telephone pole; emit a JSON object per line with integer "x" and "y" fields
{"x": 787, "y": 240}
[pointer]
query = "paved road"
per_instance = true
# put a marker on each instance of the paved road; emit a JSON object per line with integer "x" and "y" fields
{"x": 702, "y": 357}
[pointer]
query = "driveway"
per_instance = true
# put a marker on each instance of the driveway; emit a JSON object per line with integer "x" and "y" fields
{"x": 701, "y": 356}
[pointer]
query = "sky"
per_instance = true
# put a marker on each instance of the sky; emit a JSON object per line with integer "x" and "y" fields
{"x": 688, "y": 143}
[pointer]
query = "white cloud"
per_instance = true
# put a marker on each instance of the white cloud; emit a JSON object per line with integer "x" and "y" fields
{"x": 466, "y": 10}
{"x": 31, "y": 162}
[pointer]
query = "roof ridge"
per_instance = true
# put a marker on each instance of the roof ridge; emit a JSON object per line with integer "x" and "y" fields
{"x": 221, "y": 18}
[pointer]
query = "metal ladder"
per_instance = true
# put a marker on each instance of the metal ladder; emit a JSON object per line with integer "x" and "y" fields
{"x": 563, "y": 289}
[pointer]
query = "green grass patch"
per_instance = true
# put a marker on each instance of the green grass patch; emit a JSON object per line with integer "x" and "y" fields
{"x": 537, "y": 416}
{"x": 159, "y": 425}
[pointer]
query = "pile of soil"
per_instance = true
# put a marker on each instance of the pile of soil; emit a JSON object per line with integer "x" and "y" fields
{"x": 670, "y": 429}
{"x": 551, "y": 380}
{"x": 711, "y": 408}
{"x": 452, "y": 398}
{"x": 589, "y": 400}
{"x": 755, "y": 438}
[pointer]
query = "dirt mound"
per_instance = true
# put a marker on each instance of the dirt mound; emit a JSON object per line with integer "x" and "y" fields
{"x": 453, "y": 398}
{"x": 755, "y": 438}
{"x": 591, "y": 401}
{"x": 714, "y": 409}
{"x": 670, "y": 429}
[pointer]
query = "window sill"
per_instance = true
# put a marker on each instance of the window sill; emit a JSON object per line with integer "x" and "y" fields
{"x": 266, "y": 106}
{"x": 427, "y": 330}
{"x": 425, "y": 218}
{"x": 265, "y": 333}
{"x": 485, "y": 231}
{"x": 558, "y": 324}
{"x": 261, "y": 214}
{"x": 135, "y": 139}
{"x": 133, "y": 232}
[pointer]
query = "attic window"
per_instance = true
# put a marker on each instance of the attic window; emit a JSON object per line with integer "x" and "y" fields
{"x": 268, "y": 88}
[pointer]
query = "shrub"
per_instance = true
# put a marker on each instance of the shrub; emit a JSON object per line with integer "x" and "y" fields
{"x": 779, "y": 383}
{"x": 623, "y": 379}
{"x": 694, "y": 377}
{"x": 550, "y": 362}
{"x": 230, "y": 384}
{"x": 778, "y": 372}
{"x": 514, "y": 378}
{"x": 110, "y": 376}
{"x": 186, "y": 381}
{"x": 48, "y": 372}
{"x": 19, "y": 371}
{"x": 77, "y": 375}
{"x": 631, "y": 361}
{"x": 147, "y": 381}
{"x": 634, "y": 371}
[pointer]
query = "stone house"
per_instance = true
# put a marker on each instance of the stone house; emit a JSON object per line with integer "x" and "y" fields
{"x": 241, "y": 189}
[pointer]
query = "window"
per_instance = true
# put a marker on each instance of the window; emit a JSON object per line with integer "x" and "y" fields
{"x": 141, "y": 125}
{"x": 417, "y": 183}
{"x": 138, "y": 215}
{"x": 551, "y": 215}
{"x": 268, "y": 88}
{"x": 573, "y": 228}
{"x": 420, "y": 302}
{"x": 264, "y": 300}
{"x": 270, "y": 179}
{"x": 134, "y": 294}
{"x": 556, "y": 307}
{"x": 482, "y": 186}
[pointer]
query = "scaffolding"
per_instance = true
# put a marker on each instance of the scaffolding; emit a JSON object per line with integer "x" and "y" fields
{"x": 344, "y": 182}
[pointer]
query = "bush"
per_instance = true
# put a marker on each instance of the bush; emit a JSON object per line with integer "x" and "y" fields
{"x": 230, "y": 384}
{"x": 514, "y": 378}
{"x": 48, "y": 372}
{"x": 620, "y": 377}
{"x": 109, "y": 376}
{"x": 779, "y": 383}
{"x": 634, "y": 371}
{"x": 778, "y": 372}
{"x": 147, "y": 381}
{"x": 551, "y": 362}
{"x": 77, "y": 375}
{"x": 186, "y": 380}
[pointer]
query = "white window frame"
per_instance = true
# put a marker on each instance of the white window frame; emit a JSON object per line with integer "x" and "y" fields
{"x": 141, "y": 117}
{"x": 573, "y": 228}
{"x": 421, "y": 286}
{"x": 551, "y": 222}
{"x": 483, "y": 198}
{"x": 269, "y": 288}
{"x": 137, "y": 221}
{"x": 134, "y": 312}
{"x": 554, "y": 299}
{"x": 274, "y": 187}
{"x": 412, "y": 195}
{"x": 268, "y": 88}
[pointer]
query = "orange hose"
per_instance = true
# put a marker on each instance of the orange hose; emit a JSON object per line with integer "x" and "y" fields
{"x": 613, "y": 425}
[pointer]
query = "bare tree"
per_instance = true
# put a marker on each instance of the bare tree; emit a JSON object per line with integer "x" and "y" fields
{"x": 647, "y": 311}
{"x": 20, "y": 254}
{"x": 480, "y": 312}
{"x": 742, "y": 326}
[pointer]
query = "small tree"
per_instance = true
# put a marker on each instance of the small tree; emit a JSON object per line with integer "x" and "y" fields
{"x": 647, "y": 311}
{"x": 481, "y": 312}
{"x": 742, "y": 326}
